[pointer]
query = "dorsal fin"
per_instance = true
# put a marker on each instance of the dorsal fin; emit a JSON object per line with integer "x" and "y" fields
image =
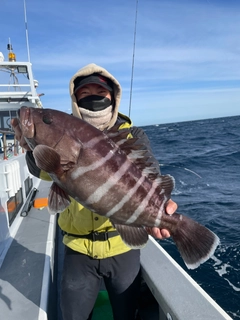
{"x": 134, "y": 149}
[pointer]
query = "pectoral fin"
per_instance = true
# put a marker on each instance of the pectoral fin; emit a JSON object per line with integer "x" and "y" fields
{"x": 47, "y": 159}
{"x": 58, "y": 199}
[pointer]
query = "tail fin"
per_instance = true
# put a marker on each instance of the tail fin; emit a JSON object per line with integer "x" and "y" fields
{"x": 195, "y": 242}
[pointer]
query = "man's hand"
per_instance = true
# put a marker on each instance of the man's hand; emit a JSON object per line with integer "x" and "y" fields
{"x": 163, "y": 233}
{"x": 18, "y": 134}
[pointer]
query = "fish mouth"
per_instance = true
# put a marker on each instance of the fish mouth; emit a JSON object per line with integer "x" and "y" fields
{"x": 26, "y": 122}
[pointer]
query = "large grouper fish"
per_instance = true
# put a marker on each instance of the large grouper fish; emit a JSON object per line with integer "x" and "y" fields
{"x": 110, "y": 174}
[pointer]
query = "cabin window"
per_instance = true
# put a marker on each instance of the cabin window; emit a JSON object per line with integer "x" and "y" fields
{"x": 28, "y": 185}
{"x": 1, "y": 143}
{"x": 5, "y": 119}
{"x": 14, "y": 204}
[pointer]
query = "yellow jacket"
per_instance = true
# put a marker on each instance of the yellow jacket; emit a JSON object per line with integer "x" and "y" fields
{"x": 78, "y": 220}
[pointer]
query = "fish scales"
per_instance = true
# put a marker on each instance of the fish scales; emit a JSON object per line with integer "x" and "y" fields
{"x": 124, "y": 194}
{"x": 109, "y": 174}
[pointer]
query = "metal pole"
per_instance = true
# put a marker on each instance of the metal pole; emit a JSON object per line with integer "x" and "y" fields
{"x": 133, "y": 58}
{"x": 25, "y": 18}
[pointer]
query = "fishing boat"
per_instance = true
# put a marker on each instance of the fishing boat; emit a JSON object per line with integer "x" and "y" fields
{"x": 26, "y": 242}
{"x": 31, "y": 249}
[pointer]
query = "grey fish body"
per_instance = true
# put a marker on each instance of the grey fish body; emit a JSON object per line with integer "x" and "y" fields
{"x": 108, "y": 176}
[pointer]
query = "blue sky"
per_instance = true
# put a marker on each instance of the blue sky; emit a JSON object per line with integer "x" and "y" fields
{"x": 187, "y": 55}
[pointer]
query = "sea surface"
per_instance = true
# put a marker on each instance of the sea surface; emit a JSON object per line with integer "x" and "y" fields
{"x": 204, "y": 158}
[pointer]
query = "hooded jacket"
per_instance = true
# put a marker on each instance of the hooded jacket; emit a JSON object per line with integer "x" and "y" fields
{"x": 77, "y": 220}
{"x": 86, "y": 71}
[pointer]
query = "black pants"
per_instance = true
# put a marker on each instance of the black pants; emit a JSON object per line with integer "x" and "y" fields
{"x": 81, "y": 282}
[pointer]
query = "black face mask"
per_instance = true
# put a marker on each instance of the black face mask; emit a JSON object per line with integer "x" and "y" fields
{"x": 94, "y": 103}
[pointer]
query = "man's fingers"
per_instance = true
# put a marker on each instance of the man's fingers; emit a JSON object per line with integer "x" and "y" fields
{"x": 158, "y": 233}
{"x": 14, "y": 122}
{"x": 171, "y": 207}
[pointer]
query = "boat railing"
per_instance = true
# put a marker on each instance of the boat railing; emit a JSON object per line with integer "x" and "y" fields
{"x": 17, "y": 86}
{"x": 10, "y": 178}
{"x": 16, "y": 93}
{"x": 9, "y": 147}
{"x": 177, "y": 294}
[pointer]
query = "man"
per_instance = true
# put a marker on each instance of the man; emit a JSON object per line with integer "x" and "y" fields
{"x": 93, "y": 248}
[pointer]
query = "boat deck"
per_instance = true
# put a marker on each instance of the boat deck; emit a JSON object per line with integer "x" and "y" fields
{"x": 26, "y": 268}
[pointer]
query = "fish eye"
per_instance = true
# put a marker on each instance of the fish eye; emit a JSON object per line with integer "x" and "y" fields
{"x": 47, "y": 119}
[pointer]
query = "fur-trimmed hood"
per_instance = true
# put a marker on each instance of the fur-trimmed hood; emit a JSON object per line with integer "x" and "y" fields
{"x": 86, "y": 71}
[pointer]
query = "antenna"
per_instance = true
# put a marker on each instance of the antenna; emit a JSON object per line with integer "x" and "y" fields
{"x": 9, "y": 46}
{"x": 133, "y": 57}
{"x": 25, "y": 18}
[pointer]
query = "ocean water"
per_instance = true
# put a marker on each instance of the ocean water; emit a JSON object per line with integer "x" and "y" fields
{"x": 204, "y": 158}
